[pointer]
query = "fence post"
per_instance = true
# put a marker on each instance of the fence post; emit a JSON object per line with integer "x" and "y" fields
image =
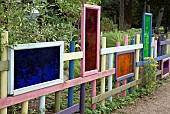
{"x": 152, "y": 48}
{"x": 71, "y": 75}
{"x": 132, "y": 42}
{"x": 117, "y": 83}
{"x": 124, "y": 81}
{"x": 4, "y": 74}
{"x": 57, "y": 101}
{"x": 24, "y": 109}
{"x": 103, "y": 68}
{"x": 137, "y": 58}
{"x": 42, "y": 104}
{"x": 110, "y": 78}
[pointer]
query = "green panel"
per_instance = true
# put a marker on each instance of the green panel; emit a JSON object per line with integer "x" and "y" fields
{"x": 147, "y": 36}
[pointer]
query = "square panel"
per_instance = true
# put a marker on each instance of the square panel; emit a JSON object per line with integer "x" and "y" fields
{"x": 34, "y": 66}
{"x": 124, "y": 64}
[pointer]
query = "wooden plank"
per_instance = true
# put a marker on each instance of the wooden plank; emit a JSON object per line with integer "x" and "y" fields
{"x": 4, "y": 65}
{"x": 158, "y": 72}
{"x": 115, "y": 91}
{"x": 157, "y": 59}
{"x": 73, "y": 55}
{"x": 69, "y": 110}
{"x": 4, "y": 74}
{"x": 137, "y": 59}
{"x": 166, "y": 59}
{"x": 120, "y": 49}
{"x": 103, "y": 68}
{"x": 165, "y": 75}
{"x": 12, "y": 100}
{"x": 165, "y": 42}
{"x": 161, "y": 57}
{"x": 153, "y": 44}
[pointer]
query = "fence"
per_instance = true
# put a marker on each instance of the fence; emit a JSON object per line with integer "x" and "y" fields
{"x": 160, "y": 49}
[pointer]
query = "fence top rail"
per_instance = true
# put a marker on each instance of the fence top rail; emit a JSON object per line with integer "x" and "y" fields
{"x": 120, "y": 49}
{"x": 166, "y": 42}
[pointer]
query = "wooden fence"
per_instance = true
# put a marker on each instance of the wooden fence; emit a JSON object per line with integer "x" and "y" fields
{"x": 159, "y": 51}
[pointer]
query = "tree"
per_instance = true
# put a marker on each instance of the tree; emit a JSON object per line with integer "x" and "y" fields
{"x": 121, "y": 15}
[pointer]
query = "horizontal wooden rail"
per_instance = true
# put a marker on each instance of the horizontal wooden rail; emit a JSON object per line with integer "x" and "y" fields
{"x": 4, "y": 65}
{"x": 157, "y": 59}
{"x": 118, "y": 90}
{"x": 120, "y": 49}
{"x": 69, "y": 110}
{"x": 73, "y": 55}
{"x": 115, "y": 91}
{"x": 12, "y": 100}
{"x": 166, "y": 59}
{"x": 165, "y": 42}
{"x": 158, "y": 72}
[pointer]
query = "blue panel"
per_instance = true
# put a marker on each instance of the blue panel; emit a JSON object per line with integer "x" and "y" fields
{"x": 34, "y": 66}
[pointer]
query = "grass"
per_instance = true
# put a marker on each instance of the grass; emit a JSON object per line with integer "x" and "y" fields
{"x": 113, "y": 37}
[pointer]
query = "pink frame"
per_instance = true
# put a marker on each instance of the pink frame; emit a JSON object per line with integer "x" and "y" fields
{"x": 83, "y": 23}
{"x": 162, "y": 66}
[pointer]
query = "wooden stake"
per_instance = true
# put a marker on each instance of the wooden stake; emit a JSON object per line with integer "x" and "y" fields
{"x": 4, "y": 74}
{"x": 137, "y": 58}
{"x": 103, "y": 68}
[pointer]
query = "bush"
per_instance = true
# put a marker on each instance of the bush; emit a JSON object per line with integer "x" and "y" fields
{"x": 107, "y": 25}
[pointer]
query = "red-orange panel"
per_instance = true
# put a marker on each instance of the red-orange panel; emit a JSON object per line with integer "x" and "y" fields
{"x": 91, "y": 40}
{"x": 125, "y": 64}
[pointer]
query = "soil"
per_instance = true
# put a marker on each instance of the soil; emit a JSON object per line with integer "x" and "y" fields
{"x": 157, "y": 103}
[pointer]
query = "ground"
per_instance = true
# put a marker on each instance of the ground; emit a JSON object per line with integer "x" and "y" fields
{"x": 157, "y": 103}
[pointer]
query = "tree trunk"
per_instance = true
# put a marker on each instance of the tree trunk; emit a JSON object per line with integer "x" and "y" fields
{"x": 121, "y": 15}
{"x": 159, "y": 19}
{"x": 128, "y": 14}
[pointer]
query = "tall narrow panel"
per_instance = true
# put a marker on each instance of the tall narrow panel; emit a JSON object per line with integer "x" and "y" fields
{"x": 147, "y": 36}
{"x": 34, "y": 66}
{"x": 91, "y": 40}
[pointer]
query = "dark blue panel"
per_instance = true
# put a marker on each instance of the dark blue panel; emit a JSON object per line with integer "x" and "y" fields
{"x": 34, "y": 66}
{"x": 166, "y": 67}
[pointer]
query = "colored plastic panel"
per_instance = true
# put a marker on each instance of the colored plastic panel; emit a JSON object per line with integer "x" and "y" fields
{"x": 34, "y": 66}
{"x": 166, "y": 67}
{"x": 147, "y": 36}
{"x": 91, "y": 40}
{"x": 124, "y": 63}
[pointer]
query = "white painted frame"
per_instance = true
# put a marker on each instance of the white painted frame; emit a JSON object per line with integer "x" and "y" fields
{"x": 11, "y": 51}
{"x": 111, "y": 50}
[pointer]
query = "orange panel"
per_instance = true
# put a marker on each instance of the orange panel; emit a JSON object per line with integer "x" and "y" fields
{"x": 125, "y": 64}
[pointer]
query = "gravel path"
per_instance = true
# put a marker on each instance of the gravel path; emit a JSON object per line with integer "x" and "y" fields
{"x": 158, "y": 103}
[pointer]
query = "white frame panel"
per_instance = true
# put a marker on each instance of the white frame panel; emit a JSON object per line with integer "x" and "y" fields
{"x": 11, "y": 50}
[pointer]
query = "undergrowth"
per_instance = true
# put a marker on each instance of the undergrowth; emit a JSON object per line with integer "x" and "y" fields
{"x": 118, "y": 103}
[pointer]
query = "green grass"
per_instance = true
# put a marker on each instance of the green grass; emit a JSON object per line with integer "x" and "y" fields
{"x": 113, "y": 37}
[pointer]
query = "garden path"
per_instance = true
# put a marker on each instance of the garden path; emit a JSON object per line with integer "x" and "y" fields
{"x": 158, "y": 103}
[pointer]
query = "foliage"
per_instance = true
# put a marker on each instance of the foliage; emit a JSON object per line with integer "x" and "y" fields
{"x": 149, "y": 74}
{"x": 25, "y": 27}
{"x": 113, "y": 37}
{"x": 107, "y": 25}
